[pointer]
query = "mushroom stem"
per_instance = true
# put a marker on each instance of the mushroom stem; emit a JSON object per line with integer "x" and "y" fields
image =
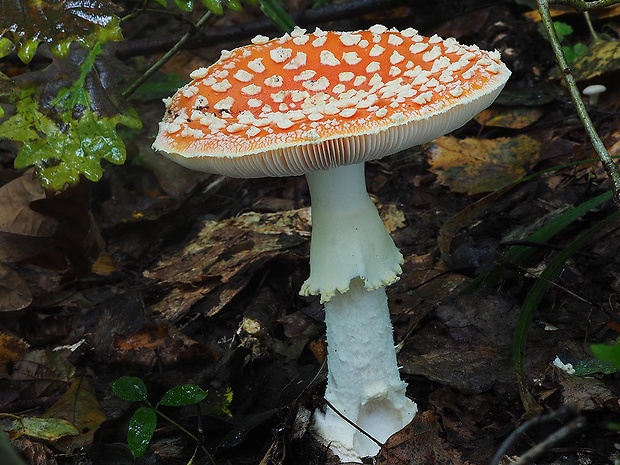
{"x": 349, "y": 239}
{"x": 363, "y": 382}
{"x": 352, "y": 259}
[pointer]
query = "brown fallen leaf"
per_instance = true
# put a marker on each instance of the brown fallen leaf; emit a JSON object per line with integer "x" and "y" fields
{"x": 162, "y": 345}
{"x": 79, "y": 406}
{"x": 14, "y": 291}
{"x": 24, "y": 233}
{"x": 509, "y": 117}
{"x": 55, "y": 232}
{"x": 476, "y": 165}
{"x": 583, "y": 393}
{"x": 420, "y": 442}
{"x": 12, "y": 349}
{"x": 225, "y": 252}
{"x": 42, "y": 373}
{"x": 603, "y": 56}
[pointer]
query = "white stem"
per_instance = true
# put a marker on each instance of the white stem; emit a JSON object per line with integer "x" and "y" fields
{"x": 349, "y": 239}
{"x": 352, "y": 258}
{"x": 363, "y": 382}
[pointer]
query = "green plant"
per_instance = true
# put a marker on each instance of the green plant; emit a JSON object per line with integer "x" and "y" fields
{"x": 144, "y": 420}
{"x": 65, "y": 117}
{"x": 571, "y": 51}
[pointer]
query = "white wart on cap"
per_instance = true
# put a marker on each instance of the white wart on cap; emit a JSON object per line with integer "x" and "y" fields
{"x": 308, "y": 102}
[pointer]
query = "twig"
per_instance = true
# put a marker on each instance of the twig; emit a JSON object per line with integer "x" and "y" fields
{"x": 219, "y": 35}
{"x": 610, "y": 167}
{"x": 167, "y": 56}
{"x": 584, "y": 5}
{"x": 559, "y": 435}
{"x": 352, "y": 423}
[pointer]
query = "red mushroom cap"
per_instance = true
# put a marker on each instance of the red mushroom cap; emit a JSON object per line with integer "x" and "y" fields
{"x": 307, "y": 102}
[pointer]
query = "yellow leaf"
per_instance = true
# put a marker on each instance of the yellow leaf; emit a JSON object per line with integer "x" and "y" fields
{"x": 476, "y": 165}
{"x": 79, "y": 406}
{"x": 48, "y": 429}
{"x": 512, "y": 118}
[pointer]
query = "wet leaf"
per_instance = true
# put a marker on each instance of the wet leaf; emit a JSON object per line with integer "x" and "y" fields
{"x": 184, "y": 394}
{"x": 79, "y": 406}
{"x": 141, "y": 428}
{"x": 475, "y": 165}
{"x": 48, "y": 429}
{"x": 66, "y": 118}
{"x": 512, "y": 118}
{"x": 594, "y": 366}
{"x": 58, "y": 23}
{"x": 129, "y": 388}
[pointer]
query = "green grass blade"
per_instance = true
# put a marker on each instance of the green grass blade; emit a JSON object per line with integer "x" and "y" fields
{"x": 517, "y": 254}
{"x": 273, "y": 10}
{"x": 542, "y": 283}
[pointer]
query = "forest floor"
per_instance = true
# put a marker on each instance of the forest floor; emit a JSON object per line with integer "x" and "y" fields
{"x": 196, "y": 279}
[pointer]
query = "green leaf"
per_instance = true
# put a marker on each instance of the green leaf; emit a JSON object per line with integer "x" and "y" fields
{"x": 594, "y": 366}
{"x": 609, "y": 353}
{"x": 185, "y": 5}
{"x": 273, "y": 10}
{"x": 562, "y": 29}
{"x": 185, "y": 394}
{"x": 141, "y": 428}
{"x": 48, "y": 429}
{"x": 66, "y": 117}
{"x": 129, "y": 388}
{"x": 58, "y": 23}
{"x": 234, "y": 5}
{"x": 215, "y": 6}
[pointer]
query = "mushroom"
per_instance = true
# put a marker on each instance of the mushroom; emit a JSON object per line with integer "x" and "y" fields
{"x": 321, "y": 104}
{"x": 594, "y": 91}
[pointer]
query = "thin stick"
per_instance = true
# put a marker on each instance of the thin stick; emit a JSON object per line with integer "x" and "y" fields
{"x": 549, "y": 442}
{"x": 341, "y": 415}
{"x": 583, "y": 5}
{"x": 610, "y": 167}
{"x": 167, "y": 56}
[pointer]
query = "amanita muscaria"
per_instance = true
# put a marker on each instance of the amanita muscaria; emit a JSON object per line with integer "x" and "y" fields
{"x": 321, "y": 104}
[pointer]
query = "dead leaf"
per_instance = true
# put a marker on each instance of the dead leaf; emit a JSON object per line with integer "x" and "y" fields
{"x": 583, "y": 393}
{"x": 47, "y": 429}
{"x": 561, "y": 10}
{"x": 24, "y": 232}
{"x": 476, "y": 165}
{"x": 451, "y": 227}
{"x": 160, "y": 345}
{"x": 79, "y": 406}
{"x": 35, "y": 453}
{"x": 12, "y": 349}
{"x": 420, "y": 442}
{"x": 603, "y": 56}
{"x": 14, "y": 291}
{"x": 468, "y": 348}
{"x": 226, "y": 252}
{"x": 53, "y": 232}
{"x": 512, "y": 118}
{"x": 42, "y": 372}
